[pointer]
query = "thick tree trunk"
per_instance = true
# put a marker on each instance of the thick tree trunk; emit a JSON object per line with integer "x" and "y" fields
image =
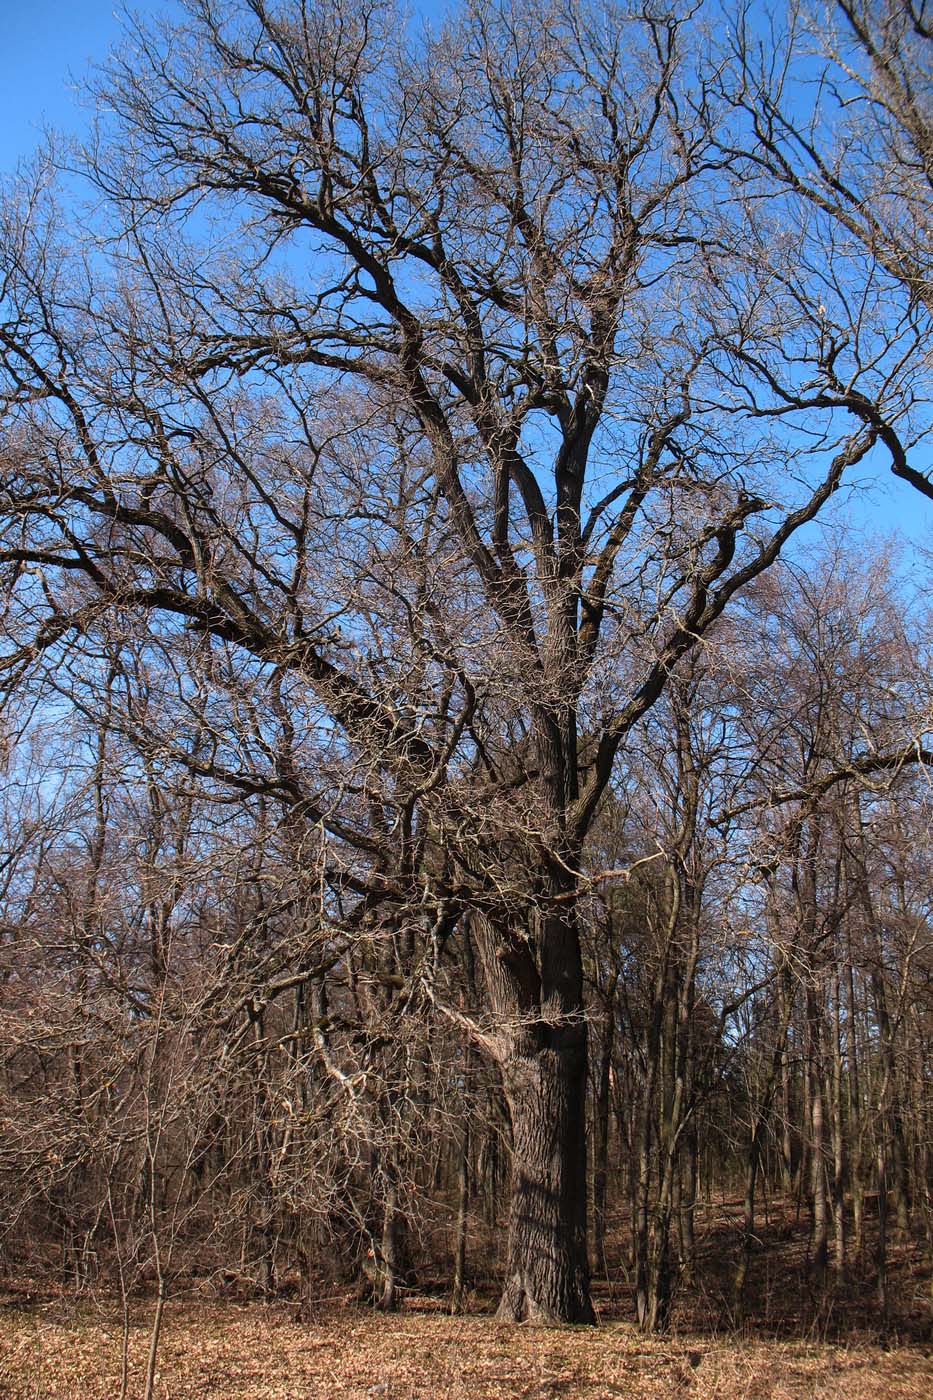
{"x": 547, "y": 1278}
{"x": 534, "y": 981}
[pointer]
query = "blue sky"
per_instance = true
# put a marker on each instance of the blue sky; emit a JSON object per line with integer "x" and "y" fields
{"x": 47, "y": 48}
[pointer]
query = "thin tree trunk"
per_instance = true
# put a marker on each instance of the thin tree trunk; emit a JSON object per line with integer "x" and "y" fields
{"x": 641, "y": 1231}
{"x": 777, "y": 1072}
{"x": 155, "y": 1337}
{"x": 856, "y": 1126}
{"x": 787, "y": 1141}
{"x": 743, "y": 1264}
{"x": 838, "y": 1135}
{"x": 688, "y": 1201}
{"x": 460, "y": 1230}
{"x": 819, "y": 1235}
{"x": 895, "y": 1164}
{"x": 389, "y": 1299}
{"x": 463, "y": 1189}
{"x": 601, "y": 1131}
{"x": 881, "y": 1251}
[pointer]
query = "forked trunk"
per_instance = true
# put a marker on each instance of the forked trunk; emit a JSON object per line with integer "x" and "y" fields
{"x": 653, "y": 1300}
{"x": 547, "y": 1278}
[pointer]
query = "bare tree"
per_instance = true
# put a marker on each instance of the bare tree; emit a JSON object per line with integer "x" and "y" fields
{"x": 434, "y": 396}
{"x": 839, "y": 115}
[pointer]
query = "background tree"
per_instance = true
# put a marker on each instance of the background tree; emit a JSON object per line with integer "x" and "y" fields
{"x": 838, "y": 114}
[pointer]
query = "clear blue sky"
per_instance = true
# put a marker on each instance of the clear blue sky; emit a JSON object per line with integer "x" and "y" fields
{"x": 47, "y": 48}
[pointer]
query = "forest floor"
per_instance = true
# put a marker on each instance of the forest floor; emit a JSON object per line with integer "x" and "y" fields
{"x": 257, "y": 1352}
{"x": 797, "y": 1343}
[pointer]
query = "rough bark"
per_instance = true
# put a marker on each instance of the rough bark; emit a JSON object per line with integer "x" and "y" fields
{"x": 534, "y": 981}
{"x": 547, "y": 1278}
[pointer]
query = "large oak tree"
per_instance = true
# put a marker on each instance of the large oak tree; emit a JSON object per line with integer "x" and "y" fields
{"x": 443, "y": 391}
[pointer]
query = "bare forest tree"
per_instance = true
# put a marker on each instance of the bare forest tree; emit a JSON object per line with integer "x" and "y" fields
{"x": 838, "y": 108}
{"x": 387, "y": 478}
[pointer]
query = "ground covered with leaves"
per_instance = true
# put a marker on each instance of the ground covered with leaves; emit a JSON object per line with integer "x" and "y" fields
{"x": 257, "y": 1352}
{"x": 799, "y": 1341}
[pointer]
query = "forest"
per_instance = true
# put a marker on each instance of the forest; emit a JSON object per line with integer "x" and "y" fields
{"x": 467, "y": 729}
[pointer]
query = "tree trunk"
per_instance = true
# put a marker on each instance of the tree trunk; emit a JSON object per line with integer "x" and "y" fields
{"x": 819, "y": 1231}
{"x": 460, "y": 1233}
{"x": 855, "y": 1112}
{"x": 901, "y": 1173}
{"x": 777, "y": 1072}
{"x": 640, "y": 1231}
{"x": 787, "y": 1142}
{"x": 389, "y": 1249}
{"x": 838, "y": 1129}
{"x": 881, "y": 1252}
{"x": 653, "y": 1318}
{"x": 534, "y": 980}
{"x": 743, "y": 1263}
{"x": 601, "y": 1134}
{"x": 547, "y": 1278}
{"x": 688, "y": 1201}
